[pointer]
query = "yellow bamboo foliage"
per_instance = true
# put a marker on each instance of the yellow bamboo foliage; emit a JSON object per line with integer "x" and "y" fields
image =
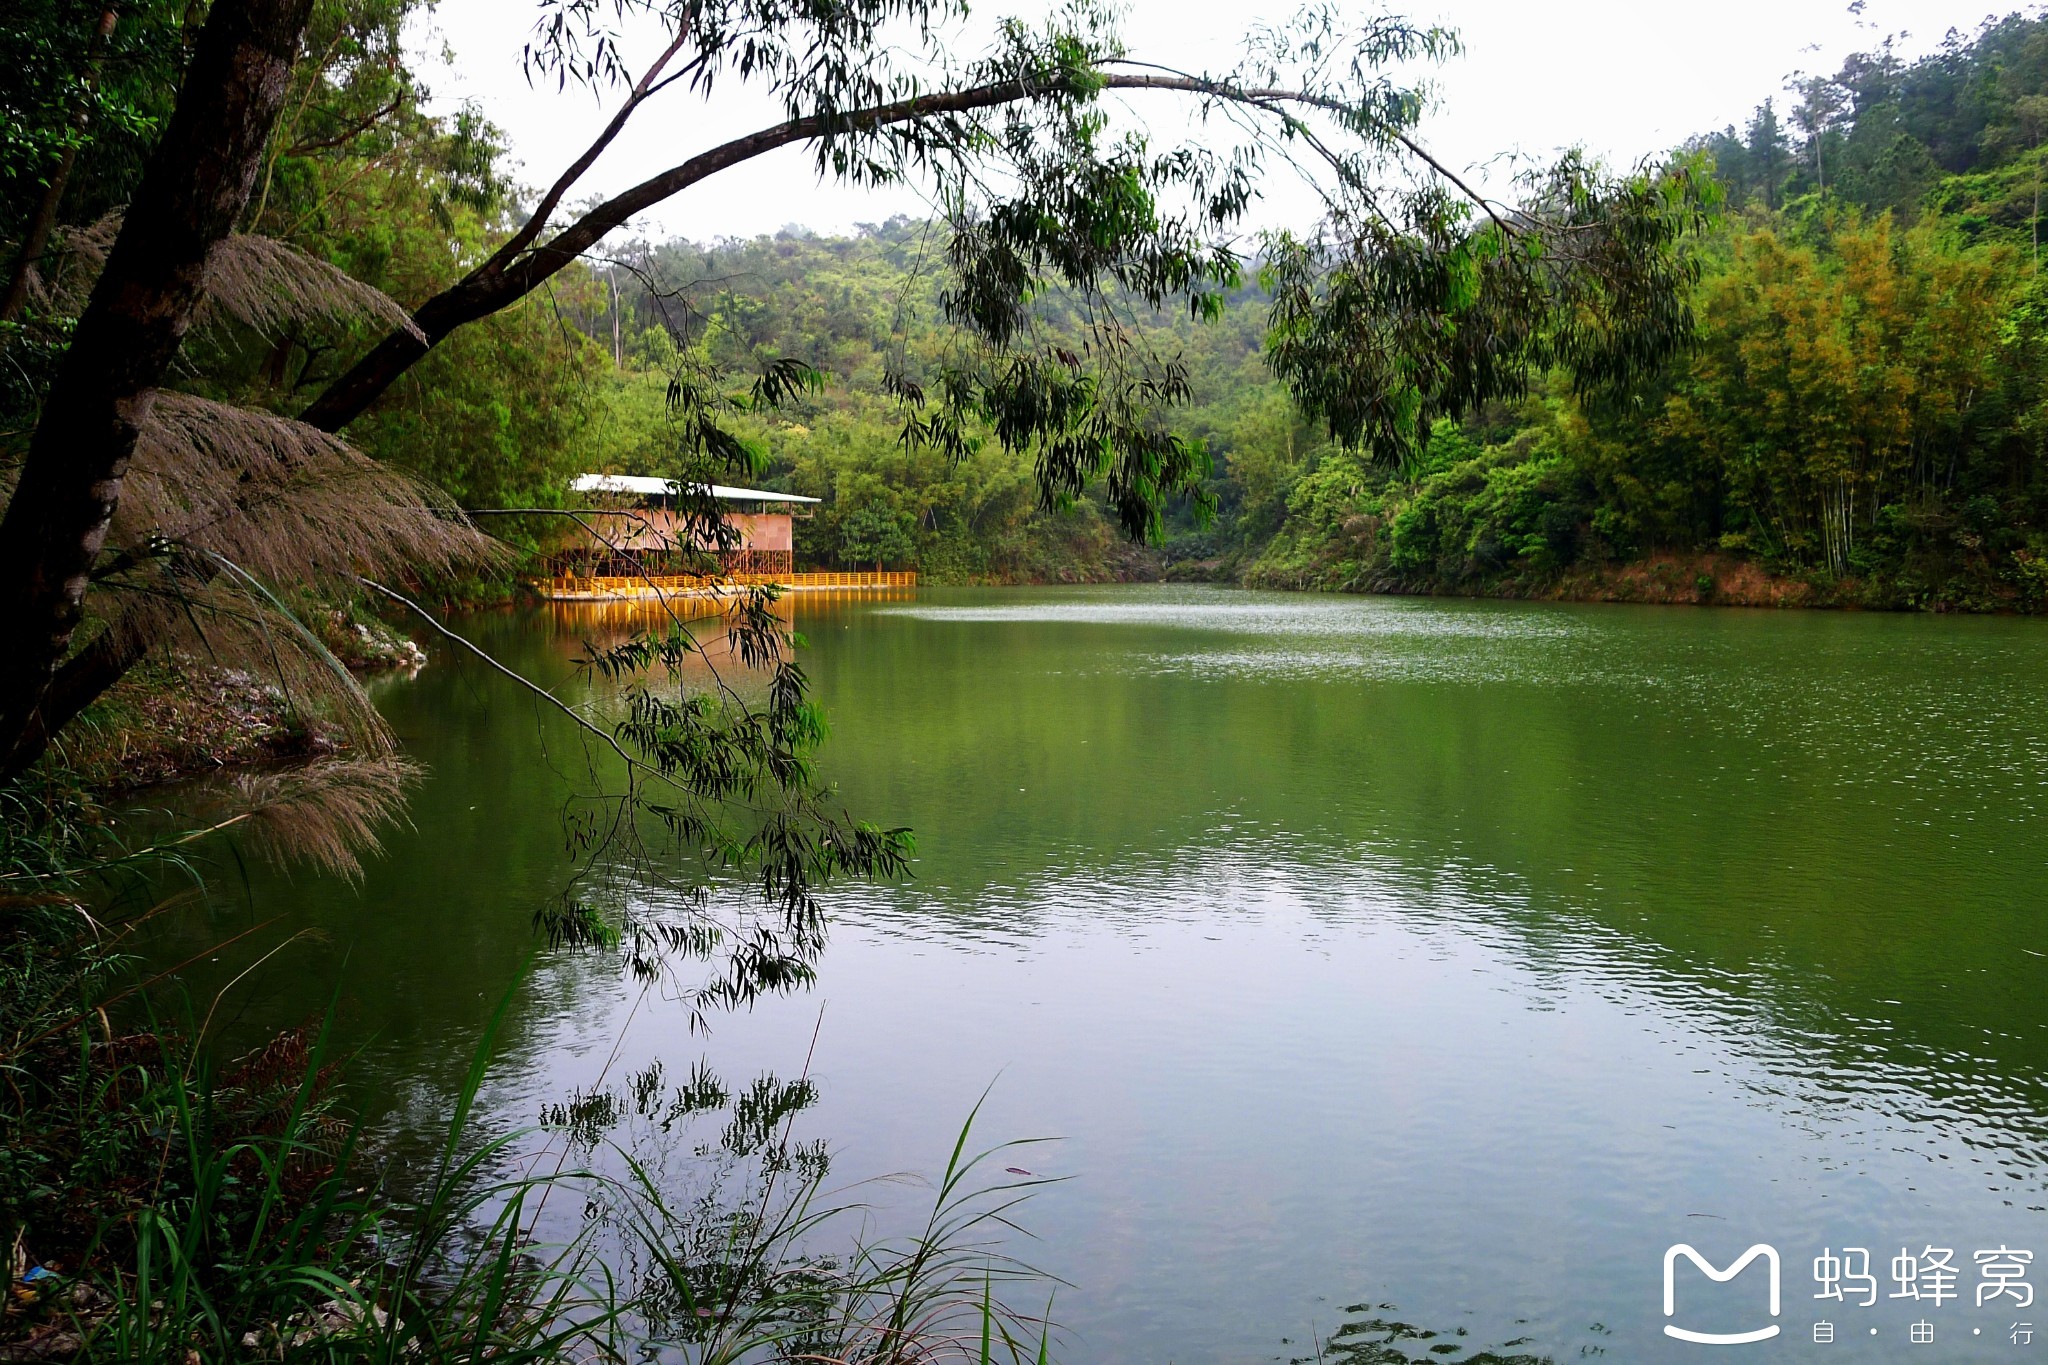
{"x": 1839, "y": 375}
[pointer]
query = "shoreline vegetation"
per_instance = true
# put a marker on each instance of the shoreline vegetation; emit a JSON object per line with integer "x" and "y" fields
{"x": 167, "y": 1206}
{"x": 184, "y": 716}
{"x": 1706, "y": 578}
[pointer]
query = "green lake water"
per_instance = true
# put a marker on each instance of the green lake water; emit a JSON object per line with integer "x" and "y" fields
{"x": 1374, "y": 959}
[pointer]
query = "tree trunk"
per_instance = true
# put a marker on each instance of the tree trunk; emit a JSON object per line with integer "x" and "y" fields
{"x": 82, "y": 680}
{"x": 197, "y": 185}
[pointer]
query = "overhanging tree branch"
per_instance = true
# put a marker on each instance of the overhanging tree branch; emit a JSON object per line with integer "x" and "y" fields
{"x": 538, "y": 221}
{"x": 520, "y": 267}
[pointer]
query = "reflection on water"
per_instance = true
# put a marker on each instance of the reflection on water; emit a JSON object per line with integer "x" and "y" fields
{"x": 1458, "y": 956}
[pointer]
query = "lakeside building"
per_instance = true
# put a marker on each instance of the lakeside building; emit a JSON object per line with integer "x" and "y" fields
{"x": 634, "y": 541}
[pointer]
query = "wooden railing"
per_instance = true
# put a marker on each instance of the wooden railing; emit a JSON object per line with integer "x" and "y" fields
{"x": 855, "y": 578}
{"x": 617, "y": 587}
{"x": 731, "y": 564}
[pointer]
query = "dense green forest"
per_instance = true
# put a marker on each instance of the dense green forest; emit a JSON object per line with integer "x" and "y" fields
{"x": 1864, "y": 410}
{"x": 854, "y": 307}
{"x": 1860, "y": 422}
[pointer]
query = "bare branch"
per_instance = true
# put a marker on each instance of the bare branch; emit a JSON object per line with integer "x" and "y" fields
{"x": 537, "y": 223}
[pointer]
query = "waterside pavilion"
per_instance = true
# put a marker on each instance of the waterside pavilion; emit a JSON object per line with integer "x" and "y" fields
{"x": 633, "y": 543}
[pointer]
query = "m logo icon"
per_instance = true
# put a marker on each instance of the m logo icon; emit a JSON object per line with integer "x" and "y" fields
{"x": 1769, "y": 1254}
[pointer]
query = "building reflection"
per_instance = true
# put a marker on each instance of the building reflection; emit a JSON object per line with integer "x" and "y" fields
{"x": 715, "y": 621}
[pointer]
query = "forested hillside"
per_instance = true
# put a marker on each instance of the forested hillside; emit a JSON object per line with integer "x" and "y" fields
{"x": 858, "y": 307}
{"x": 1861, "y": 421}
{"x": 1863, "y": 415}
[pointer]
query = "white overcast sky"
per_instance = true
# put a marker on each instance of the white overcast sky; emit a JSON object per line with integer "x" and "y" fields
{"x": 1625, "y": 78}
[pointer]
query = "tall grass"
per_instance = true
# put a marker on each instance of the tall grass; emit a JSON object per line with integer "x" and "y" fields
{"x": 931, "y": 1295}
{"x": 195, "y": 1212}
{"x": 264, "y": 1239}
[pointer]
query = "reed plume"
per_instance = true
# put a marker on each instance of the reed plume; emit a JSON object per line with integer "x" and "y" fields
{"x": 231, "y": 520}
{"x": 259, "y": 282}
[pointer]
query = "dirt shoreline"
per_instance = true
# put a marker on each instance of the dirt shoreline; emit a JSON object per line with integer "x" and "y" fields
{"x": 182, "y": 717}
{"x": 1707, "y": 580}
{"x": 1678, "y": 579}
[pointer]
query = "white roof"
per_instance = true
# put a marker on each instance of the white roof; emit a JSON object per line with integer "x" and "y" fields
{"x": 647, "y": 486}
